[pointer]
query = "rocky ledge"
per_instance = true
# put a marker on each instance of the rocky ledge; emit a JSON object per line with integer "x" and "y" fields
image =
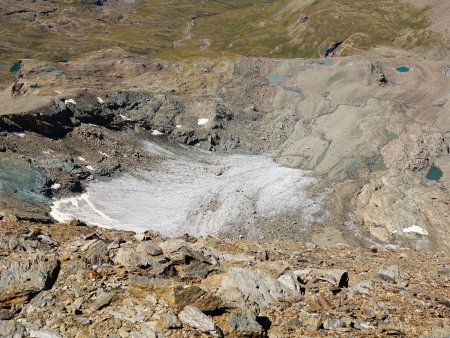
{"x": 71, "y": 280}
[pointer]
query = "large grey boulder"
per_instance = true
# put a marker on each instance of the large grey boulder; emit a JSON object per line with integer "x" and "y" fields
{"x": 336, "y": 277}
{"x": 22, "y": 277}
{"x": 240, "y": 285}
{"x": 180, "y": 252}
{"x": 391, "y": 274}
{"x": 245, "y": 325}
{"x": 290, "y": 281}
{"x": 11, "y": 329}
{"x": 95, "y": 252}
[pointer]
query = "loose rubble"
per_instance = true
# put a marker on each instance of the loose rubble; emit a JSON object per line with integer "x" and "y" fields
{"x": 67, "y": 280}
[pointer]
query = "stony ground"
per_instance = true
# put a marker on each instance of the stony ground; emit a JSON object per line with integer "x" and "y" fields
{"x": 69, "y": 280}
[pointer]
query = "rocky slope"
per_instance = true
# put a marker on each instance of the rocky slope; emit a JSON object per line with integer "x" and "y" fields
{"x": 263, "y": 197}
{"x": 70, "y": 280}
{"x": 367, "y": 132}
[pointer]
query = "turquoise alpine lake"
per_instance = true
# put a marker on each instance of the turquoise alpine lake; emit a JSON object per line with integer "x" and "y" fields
{"x": 434, "y": 174}
{"x": 402, "y": 69}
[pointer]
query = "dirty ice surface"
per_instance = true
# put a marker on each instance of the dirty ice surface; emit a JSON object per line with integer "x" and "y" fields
{"x": 193, "y": 192}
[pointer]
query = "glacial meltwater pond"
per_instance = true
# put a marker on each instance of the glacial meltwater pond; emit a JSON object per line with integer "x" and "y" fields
{"x": 195, "y": 192}
{"x": 15, "y": 67}
{"x": 434, "y": 174}
{"x": 402, "y": 69}
{"x": 275, "y": 78}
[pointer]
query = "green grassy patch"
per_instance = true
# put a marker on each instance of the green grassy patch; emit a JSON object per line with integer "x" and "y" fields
{"x": 391, "y": 136}
{"x": 380, "y": 166}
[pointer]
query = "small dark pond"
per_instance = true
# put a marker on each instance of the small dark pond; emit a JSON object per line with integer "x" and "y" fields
{"x": 402, "y": 69}
{"x": 15, "y": 67}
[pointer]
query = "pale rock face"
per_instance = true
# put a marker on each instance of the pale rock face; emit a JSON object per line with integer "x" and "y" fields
{"x": 239, "y": 285}
{"x": 402, "y": 196}
{"x": 131, "y": 257}
{"x": 149, "y": 248}
{"x": 290, "y": 281}
{"x": 193, "y": 317}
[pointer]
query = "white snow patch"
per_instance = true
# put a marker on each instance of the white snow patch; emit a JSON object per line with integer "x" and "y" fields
{"x": 82, "y": 159}
{"x": 104, "y": 154}
{"x": 89, "y": 167}
{"x": 56, "y": 186}
{"x": 202, "y": 122}
{"x": 100, "y": 100}
{"x": 125, "y": 118}
{"x": 156, "y": 132}
{"x": 20, "y": 134}
{"x": 178, "y": 126}
{"x": 416, "y": 229}
{"x": 58, "y": 91}
{"x": 70, "y": 101}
